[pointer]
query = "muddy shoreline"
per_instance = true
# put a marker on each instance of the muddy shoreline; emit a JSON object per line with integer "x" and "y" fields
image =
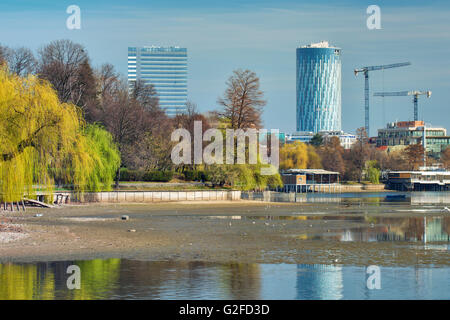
{"x": 222, "y": 231}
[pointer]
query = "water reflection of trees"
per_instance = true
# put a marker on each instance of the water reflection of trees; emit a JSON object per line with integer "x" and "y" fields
{"x": 190, "y": 280}
{"x": 115, "y": 278}
{"x": 241, "y": 280}
{"x": 162, "y": 279}
{"x": 49, "y": 280}
{"x": 25, "y": 282}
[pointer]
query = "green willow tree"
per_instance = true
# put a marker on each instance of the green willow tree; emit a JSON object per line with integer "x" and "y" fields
{"x": 42, "y": 139}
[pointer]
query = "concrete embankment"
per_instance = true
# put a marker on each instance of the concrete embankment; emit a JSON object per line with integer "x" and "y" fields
{"x": 363, "y": 187}
{"x": 201, "y": 195}
{"x": 152, "y": 196}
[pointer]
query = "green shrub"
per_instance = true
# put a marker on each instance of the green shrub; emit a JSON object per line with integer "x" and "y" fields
{"x": 124, "y": 174}
{"x": 206, "y": 176}
{"x": 374, "y": 175}
{"x": 196, "y": 175}
{"x": 373, "y": 171}
{"x": 130, "y": 175}
{"x": 159, "y": 176}
{"x": 189, "y": 175}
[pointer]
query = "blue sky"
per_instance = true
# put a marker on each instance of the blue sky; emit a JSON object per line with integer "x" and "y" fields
{"x": 262, "y": 36}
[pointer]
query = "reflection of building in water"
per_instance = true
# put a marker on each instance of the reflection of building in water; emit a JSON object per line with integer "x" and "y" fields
{"x": 319, "y": 282}
{"x": 431, "y": 229}
{"x": 434, "y": 230}
{"x": 359, "y": 234}
{"x": 430, "y": 197}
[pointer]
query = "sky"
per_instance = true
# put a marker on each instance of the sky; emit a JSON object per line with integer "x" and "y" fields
{"x": 262, "y": 36}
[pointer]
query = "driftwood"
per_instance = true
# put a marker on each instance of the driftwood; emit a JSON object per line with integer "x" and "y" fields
{"x": 13, "y": 206}
{"x": 38, "y": 203}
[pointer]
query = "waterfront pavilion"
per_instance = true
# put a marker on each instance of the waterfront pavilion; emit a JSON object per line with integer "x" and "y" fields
{"x": 309, "y": 180}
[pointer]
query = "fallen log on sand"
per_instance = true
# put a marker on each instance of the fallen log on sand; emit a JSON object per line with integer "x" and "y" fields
{"x": 38, "y": 203}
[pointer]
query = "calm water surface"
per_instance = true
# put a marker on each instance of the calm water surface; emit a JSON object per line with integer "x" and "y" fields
{"x": 129, "y": 279}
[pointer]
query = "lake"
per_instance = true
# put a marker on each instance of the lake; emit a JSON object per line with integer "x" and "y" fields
{"x": 427, "y": 229}
{"x": 131, "y": 279}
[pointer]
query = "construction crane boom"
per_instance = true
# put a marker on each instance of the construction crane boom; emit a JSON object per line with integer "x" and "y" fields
{"x": 386, "y": 66}
{"x": 415, "y": 93}
{"x": 391, "y": 94}
{"x": 366, "y": 70}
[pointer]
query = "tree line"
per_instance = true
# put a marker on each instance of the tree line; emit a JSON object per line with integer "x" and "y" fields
{"x": 362, "y": 162}
{"x": 65, "y": 122}
{"x": 101, "y": 100}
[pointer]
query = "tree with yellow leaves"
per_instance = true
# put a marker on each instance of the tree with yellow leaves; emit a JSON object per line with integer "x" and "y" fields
{"x": 294, "y": 156}
{"x": 299, "y": 155}
{"x": 42, "y": 139}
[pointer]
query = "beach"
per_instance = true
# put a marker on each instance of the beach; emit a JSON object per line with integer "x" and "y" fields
{"x": 227, "y": 231}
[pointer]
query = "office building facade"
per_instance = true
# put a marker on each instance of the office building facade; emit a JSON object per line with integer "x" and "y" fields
{"x": 166, "y": 69}
{"x": 346, "y": 139}
{"x": 404, "y": 133}
{"x": 318, "y": 88}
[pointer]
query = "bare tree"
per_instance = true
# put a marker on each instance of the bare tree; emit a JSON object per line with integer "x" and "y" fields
{"x": 186, "y": 121}
{"x": 60, "y": 62}
{"x": 2, "y": 54}
{"x": 138, "y": 125}
{"x": 108, "y": 81}
{"x": 145, "y": 94}
{"x": 242, "y": 101}
{"x": 20, "y": 61}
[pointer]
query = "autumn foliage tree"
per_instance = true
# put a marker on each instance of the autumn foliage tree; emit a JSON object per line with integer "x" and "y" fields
{"x": 133, "y": 116}
{"x": 299, "y": 155}
{"x": 445, "y": 158}
{"x": 414, "y": 156}
{"x": 294, "y": 156}
{"x": 332, "y": 154}
{"x": 357, "y": 156}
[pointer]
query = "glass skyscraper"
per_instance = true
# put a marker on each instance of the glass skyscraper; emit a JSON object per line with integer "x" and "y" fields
{"x": 318, "y": 88}
{"x": 166, "y": 69}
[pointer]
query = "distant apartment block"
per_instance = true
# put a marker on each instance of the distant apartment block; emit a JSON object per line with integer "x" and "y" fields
{"x": 166, "y": 69}
{"x": 404, "y": 133}
{"x": 318, "y": 86}
{"x": 346, "y": 139}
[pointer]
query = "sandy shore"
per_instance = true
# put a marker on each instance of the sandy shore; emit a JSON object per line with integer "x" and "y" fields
{"x": 241, "y": 231}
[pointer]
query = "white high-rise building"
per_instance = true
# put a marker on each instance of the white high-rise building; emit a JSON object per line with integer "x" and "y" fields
{"x": 166, "y": 69}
